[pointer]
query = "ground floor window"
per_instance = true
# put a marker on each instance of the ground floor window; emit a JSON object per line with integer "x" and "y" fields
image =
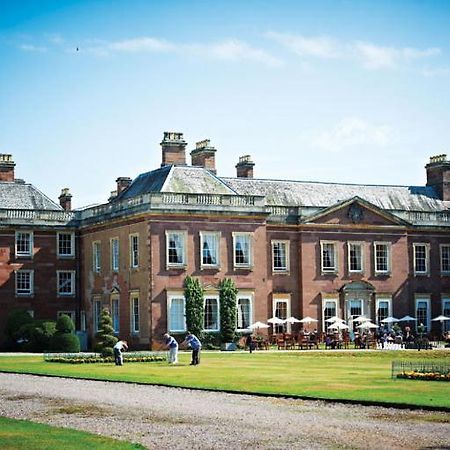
{"x": 211, "y": 316}
{"x": 135, "y": 314}
{"x": 281, "y": 309}
{"x": 329, "y": 310}
{"x": 244, "y": 313}
{"x": 115, "y": 314}
{"x": 446, "y": 312}
{"x": 383, "y": 310}
{"x": 71, "y": 314}
{"x": 423, "y": 313}
{"x": 97, "y": 314}
{"x": 176, "y": 313}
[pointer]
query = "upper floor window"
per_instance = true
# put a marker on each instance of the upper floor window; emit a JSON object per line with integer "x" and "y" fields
{"x": 328, "y": 257}
{"x": 421, "y": 258}
{"x": 211, "y": 314}
{"x": 355, "y": 257}
{"x": 176, "y": 248}
{"x": 445, "y": 259}
{"x": 24, "y": 282}
{"x": 382, "y": 257}
{"x": 209, "y": 247}
{"x": 134, "y": 251}
{"x": 24, "y": 243}
{"x": 66, "y": 244}
{"x": 280, "y": 256}
{"x": 242, "y": 250}
{"x": 96, "y": 256}
{"x": 115, "y": 254}
{"x": 244, "y": 312}
{"x": 176, "y": 313}
{"x": 65, "y": 282}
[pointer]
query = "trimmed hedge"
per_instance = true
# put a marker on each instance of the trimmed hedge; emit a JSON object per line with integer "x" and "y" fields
{"x": 93, "y": 359}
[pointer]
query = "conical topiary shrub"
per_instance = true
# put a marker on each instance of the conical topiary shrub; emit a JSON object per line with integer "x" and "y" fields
{"x": 64, "y": 340}
{"x": 105, "y": 336}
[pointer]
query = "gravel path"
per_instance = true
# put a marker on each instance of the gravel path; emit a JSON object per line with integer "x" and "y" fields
{"x": 171, "y": 418}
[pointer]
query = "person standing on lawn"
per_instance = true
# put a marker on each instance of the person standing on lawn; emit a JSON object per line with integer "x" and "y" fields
{"x": 194, "y": 342}
{"x": 172, "y": 345}
{"x": 118, "y": 349}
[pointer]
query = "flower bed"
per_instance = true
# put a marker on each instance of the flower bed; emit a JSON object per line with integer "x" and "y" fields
{"x": 427, "y": 376}
{"x": 92, "y": 358}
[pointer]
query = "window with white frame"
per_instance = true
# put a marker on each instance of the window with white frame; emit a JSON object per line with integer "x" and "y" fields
{"x": 355, "y": 257}
{"x": 97, "y": 314}
{"x": 96, "y": 256}
{"x": 65, "y": 280}
{"x": 115, "y": 313}
{"x": 242, "y": 250}
{"x": 24, "y": 282}
{"x": 383, "y": 310}
{"x": 211, "y": 316}
{"x": 114, "y": 243}
{"x": 24, "y": 243}
{"x": 329, "y": 310}
{"x": 244, "y": 312}
{"x": 421, "y": 258}
{"x": 135, "y": 313}
{"x": 134, "y": 251}
{"x": 445, "y": 259}
{"x": 176, "y": 313}
{"x": 280, "y": 256}
{"x": 328, "y": 257}
{"x": 176, "y": 248}
{"x": 66, "y": 245}
{"x": 382, "y": 257}
{"x": 209, "y": 248}
{"x": 423, "y": 312}
{"x": 282, "y": 310}
{"x": 446, "y": 312}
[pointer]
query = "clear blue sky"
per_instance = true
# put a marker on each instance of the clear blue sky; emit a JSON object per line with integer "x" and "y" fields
{"x": 342, "y": 91}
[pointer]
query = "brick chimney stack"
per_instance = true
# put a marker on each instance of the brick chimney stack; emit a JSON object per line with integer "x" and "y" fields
{"x": 173, "y": 149}
{"x": 204, "y": 155}
{"x": 6, "y": 167}
{"x": 122, "y": 184}
{"x": 244, "y": 167}
{"x": 438, "y": 175}
{"x": 65, "y": 199}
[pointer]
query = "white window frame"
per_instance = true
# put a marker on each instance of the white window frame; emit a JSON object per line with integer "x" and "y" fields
{"x": 216, "y": 298}
{"x": 361, "y": 247}
{"x": 134, "y": 252}
{"x": 203, "y": 236}
{"x": 72, "y": 244}
{"x": 377, "y": 271}
{"x": 21, "y": 254}
{"x": 427, "y": 258}
{"x": 97, "y": 308}
{"x": 286, "y": 245}
{"x": 115, "y": 312}
{"x": 282, "y": 298}
{"x": 72, "y": 283}
{"x": 250, "y": 318}
{"x": 97, "y": 256}
{"x": 378, "y": 300}
{"x": 115, "y": 255}
{"x": 245, "y": 265}
{"x": 135, "y": 318}
{"x": 446, "y": 301}
{"x": 170, "y": 298}
{"x": 326, "y": 300}
{"x": 31, "y": 290}
{"x": 183, "y": 241}
{"x": 423, "y": 298}
{"x": 329, "y": 270}
{"x": 441, "y": 247}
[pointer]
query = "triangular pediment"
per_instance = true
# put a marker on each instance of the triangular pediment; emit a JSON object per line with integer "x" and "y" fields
{"x": 355, "y": 211}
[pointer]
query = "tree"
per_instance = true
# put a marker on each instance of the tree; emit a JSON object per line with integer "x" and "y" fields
{"x": 15, "y": 326}
{"x": 227, "y": 296}
{"x": 193, "y": 293}
{"x": 105, "y": 336}
{"x": 64, "y": 340}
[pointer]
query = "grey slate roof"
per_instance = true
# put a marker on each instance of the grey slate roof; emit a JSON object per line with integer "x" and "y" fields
{"x": 25, "y": 196}
{"x": 316, "y": 194}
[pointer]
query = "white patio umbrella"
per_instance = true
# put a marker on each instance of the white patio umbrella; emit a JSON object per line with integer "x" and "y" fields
{"x": 367, "y": 325}
{"x": 338, "y": 326}
{"x": 257, "y": 325}
{"x": 361, "y": 319}
{"x": 441, "y": 318}
{"x": 275, "y": 321}
{"x": 308, "y": 319}
{"x": 389, "y": 319}
{"x": 292, "y": 320}
{"x": 407, "y": 319}
{"x": 335, "y": 319}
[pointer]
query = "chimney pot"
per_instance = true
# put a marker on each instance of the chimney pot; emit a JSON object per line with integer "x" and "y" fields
{"x": 122, "y": 184}
{"x": 244, "y": 168}
{"x": 438, "y": 175}
{"x": 6, "y": 167}
{"x": 173, "y": 149}
{"x": 204, "y": 155}
{"x": 65, "y": 199}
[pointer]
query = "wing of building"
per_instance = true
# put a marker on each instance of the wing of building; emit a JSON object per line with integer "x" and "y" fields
{"x": 292, "y": 248}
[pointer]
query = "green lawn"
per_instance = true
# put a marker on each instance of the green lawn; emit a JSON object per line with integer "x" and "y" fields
{"x": 20, "y": 434}
{"x": 347, "y": 375}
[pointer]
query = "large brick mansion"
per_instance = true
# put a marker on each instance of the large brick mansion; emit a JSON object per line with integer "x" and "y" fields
{"x": 292, "y": 248}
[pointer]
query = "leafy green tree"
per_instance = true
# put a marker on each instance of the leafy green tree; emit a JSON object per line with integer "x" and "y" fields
{"x": 64, "y": 340}
{"x": 227, "y": 295}
{"x": 105, "y": 336}
{"x": 39, "y": 335}
{"x": 15, "y": 322}
{"x": 193, "y": 293}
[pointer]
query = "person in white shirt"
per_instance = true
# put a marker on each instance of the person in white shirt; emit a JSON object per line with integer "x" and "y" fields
{"x": 172, "y": 345}
{"x": 118, "y": 349}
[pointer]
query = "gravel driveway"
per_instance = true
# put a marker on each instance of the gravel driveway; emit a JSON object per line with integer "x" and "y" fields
{"x": 172, "y": 418}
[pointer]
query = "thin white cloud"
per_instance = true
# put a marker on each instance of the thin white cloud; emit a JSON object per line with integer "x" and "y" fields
{"x": 369, "y": 55}
{"x": 32, "y": 48}
{"x": 143, "y": 44}
{"x": 351, "y": 132}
